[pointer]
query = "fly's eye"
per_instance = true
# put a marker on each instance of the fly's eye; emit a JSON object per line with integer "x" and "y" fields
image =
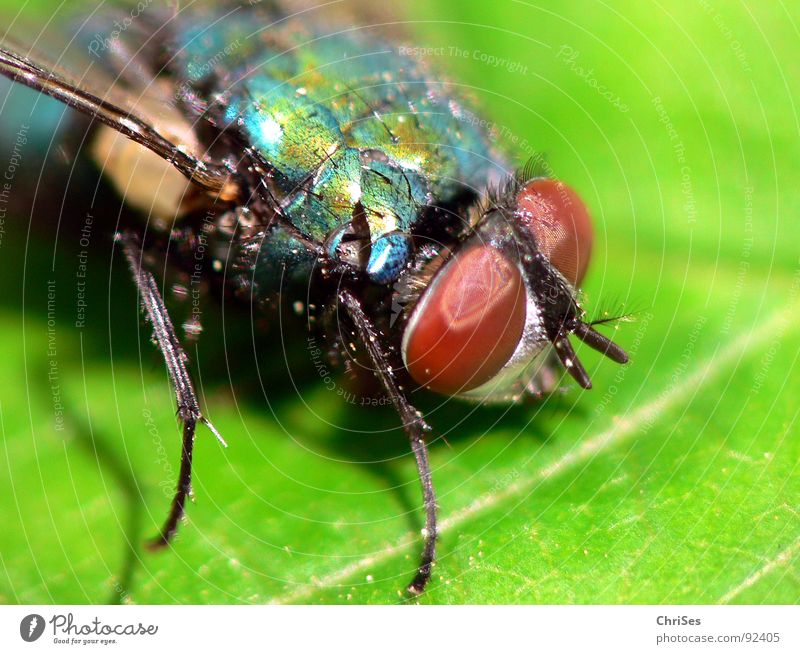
{"x": 468, "y": 324}
{"x": 560, "y": 224}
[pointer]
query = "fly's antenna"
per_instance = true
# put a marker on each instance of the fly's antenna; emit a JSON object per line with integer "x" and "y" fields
{"x": 568, "y": 358}
{"x": 617, "y": 310}
{"x": 602, "y": 344}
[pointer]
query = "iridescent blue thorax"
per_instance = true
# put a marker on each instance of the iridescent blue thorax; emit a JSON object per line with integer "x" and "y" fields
{"x": 346, "y": 125}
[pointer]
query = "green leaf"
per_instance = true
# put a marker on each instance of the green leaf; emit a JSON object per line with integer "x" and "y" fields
{"x": 674, "y": 479}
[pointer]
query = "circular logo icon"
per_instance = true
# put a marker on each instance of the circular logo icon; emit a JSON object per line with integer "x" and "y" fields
{"x": 31, "y": 627}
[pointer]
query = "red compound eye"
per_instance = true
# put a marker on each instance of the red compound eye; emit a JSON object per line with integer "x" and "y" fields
{"x": 560, "y": 223}
{"x": 469, "y": 324}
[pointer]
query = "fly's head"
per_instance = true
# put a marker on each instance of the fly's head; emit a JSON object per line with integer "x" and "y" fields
{"x": 491, "y": 309}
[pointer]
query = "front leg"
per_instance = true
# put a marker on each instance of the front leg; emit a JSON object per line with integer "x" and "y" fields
{"x": 414, "y": 425}
{"x": 188, "y": 408}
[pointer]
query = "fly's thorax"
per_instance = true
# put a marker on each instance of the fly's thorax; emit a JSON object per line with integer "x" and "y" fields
{"x": 346, "y": 126}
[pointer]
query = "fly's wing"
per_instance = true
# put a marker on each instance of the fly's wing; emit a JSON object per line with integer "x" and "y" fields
{"x": 111, "y": 75}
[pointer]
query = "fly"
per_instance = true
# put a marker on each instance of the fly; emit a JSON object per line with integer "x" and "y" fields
{"x": 315, "y": 163}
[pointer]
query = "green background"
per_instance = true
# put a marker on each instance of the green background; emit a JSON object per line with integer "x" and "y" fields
{"x": 675, "y": 480}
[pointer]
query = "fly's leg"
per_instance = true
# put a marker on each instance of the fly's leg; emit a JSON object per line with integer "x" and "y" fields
{"x": 420, "y": 450}
{"x": 413, "y": 424}
{"x": 188, "y": 408}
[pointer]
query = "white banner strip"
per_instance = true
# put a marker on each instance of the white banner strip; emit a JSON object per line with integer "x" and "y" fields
{"x": 399, "y": 629}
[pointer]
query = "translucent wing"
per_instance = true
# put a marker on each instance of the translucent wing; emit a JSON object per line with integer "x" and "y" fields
{"x": 116, "y": 82}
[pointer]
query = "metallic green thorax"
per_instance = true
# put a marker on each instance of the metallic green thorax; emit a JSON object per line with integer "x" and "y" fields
{"x": 343, "y": 120}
